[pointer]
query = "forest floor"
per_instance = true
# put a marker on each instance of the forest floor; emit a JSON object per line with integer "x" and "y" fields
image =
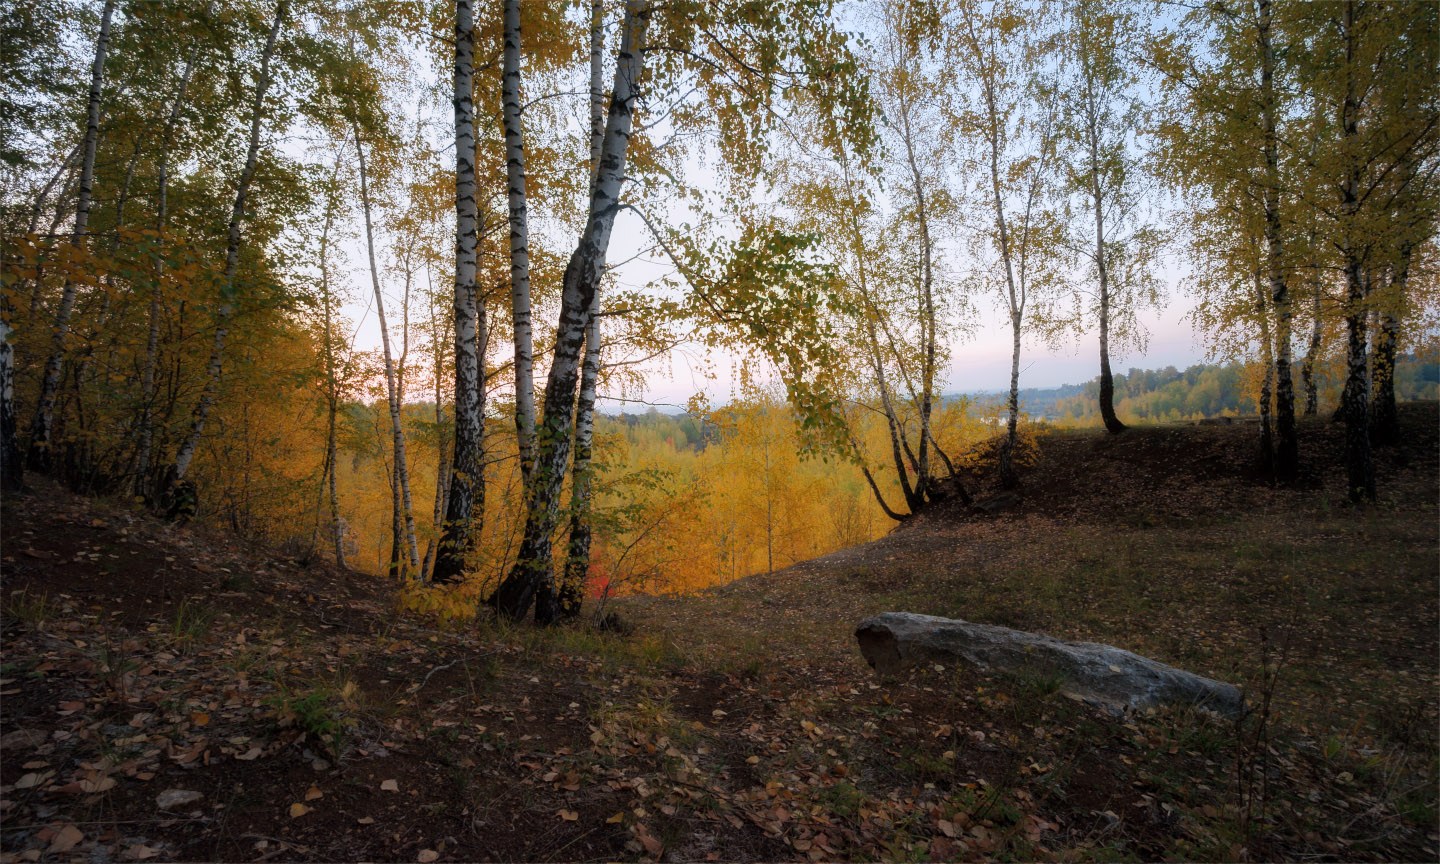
{"x": 170, "y": 693}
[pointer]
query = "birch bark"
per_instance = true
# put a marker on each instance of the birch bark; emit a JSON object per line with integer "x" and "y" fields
{"x": 146, "y": 431}
{"x": 577, "y": 560}
{"x": 532, "y": 579}
{"x": 42, "y": 426}
{"x": 519, "y": 241}
{"x": 404, "y": 515}
{"x": 467, "y": 482}
{"x": 215, "y": 367}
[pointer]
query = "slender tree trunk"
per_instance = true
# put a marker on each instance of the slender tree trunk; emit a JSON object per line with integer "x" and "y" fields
{"x": 41, "y": 427}
{"x": 1287, "y": 461}
{"x": 71, "y": 187}
{"x": 12, "y": 470}
{"x": 442, "y": 446}
{"x": 519, "y": 242}
{"x": 926, "y": 309}
{"x": 1267, "y": 353}
{"x": 403, "y": 512}
{"x": 1009, "y": 478}
{"x": 467, "y": 480}
{"x": 1107, "y": 377}
{"x": 1354, "y": 403}
{"x": 577, "y": 559}
{"x": 532, "y": 579}
{"x": 1385, "y": 420}
{"x": 84, "y": 469}
{"x": 186, "y": 454}
{"x": 146, "y": 427}
{"x": 332, "y": 376}
{"x": 1014, "y": 293}
{"x": 1312, "y": 353}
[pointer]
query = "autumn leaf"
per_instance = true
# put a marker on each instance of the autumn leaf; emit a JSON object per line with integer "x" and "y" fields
{"x": 297, "y": 810}
{"x": 568, "y": 815}
{"x": 390, "y": 786}
{"x": 427, "y": 855}
{"x": 65, "y": 839}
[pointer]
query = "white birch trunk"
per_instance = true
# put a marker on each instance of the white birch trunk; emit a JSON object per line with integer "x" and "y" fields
{"x": 467, "y": 482}
{"x": 532, "y": 580}
{"x": 42, "y": 426}
{"x": 577, "y": 560}
{"x": 404, "y": 513}
{"x": 146, "y": 431}
{"x": 215, "y": 367}
{"x": 519, "y": 241}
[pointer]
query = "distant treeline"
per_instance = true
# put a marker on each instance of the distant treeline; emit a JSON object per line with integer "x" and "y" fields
{"x": 1202, "y": 390}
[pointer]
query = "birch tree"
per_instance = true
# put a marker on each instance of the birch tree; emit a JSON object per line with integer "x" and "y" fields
{"x": 1368, "y": 67}
{"x": 1011, "y": 115}
{"x": 1100, "y": 144}
{"x": 404, "y": 515}
{"x": 146, "y": 433}
{"x": 234, "y": 237}
{"x": 532, "y": 579}
{"x": 467, "y": 481}
{"x": 41, "y": 426}
{"x": 577, "y": 558}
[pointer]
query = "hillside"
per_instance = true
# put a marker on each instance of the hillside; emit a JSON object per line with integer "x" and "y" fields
{"x": 315, "y": 721}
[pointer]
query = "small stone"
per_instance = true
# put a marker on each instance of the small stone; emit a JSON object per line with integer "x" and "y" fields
{"x": 172, "y": 798}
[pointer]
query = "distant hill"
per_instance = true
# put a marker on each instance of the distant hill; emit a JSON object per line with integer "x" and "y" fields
{"x": 1202, "y": 390}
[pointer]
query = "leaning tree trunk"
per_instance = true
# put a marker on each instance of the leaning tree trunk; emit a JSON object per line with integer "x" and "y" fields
{"x": 332, "y": 377}
{"x": 42, "y": 426}
{"x": 577, "y": 559}
{"x": 442, "y": 456}
{"x": 404, "y": 515}
{"x": 519, "y": 242}
{"x": 186, "y": 454}
{"x": 467, "y": 479}
{"x": 1107, "y": 377}
{"x": 532, "y": 579}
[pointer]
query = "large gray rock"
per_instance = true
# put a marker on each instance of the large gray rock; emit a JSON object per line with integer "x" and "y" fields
{"x": 1101, "y": 674}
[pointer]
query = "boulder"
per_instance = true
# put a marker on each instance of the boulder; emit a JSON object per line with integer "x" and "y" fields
{"x": 1103, "y": 675}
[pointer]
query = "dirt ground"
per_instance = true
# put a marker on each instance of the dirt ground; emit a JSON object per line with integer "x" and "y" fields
{"x": 308, "y": 718}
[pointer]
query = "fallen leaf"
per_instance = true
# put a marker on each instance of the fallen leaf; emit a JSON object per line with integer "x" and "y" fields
{"x": 616, "y": 819}
{"x": 97, "y": 784}
{"x": 366, "y": 820}
{"x": 313, "y": 792}
{"x": 28, "y": 781}
{"x": 297, "y": 810}
{"x": 140, "y": 852}
{"x": 250, "y": 755}
{"x": 200, "y": 718}
{"x": 390, "y": 786}
{"x": 569, "y": 815}
{"x": 427, "y": 855}
{"x": 65, "y": 839}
